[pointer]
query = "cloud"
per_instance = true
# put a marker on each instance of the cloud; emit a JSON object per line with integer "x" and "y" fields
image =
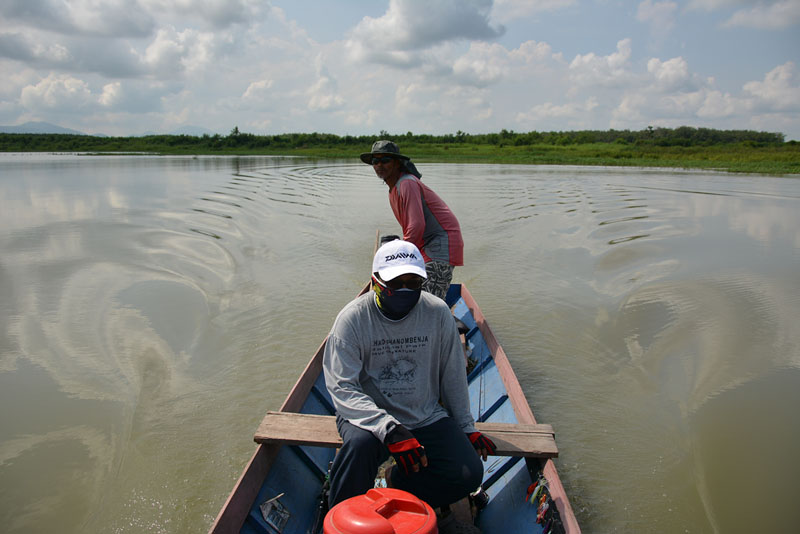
{"x": 509, "y": 10}
{"x": 22, "y": 48}
{"x": 438, "y": 108}
{"x": 610, "y": 70}
{"x": 717, "y": 105}
{"x": 487, "y": 64}
{"x": 659, "y": 15}
{"x": 672, "y": 96}
{"x": 117, "y": 18}
{"x": 258, "y": 90}
{"x": 438, "y": 66}
{"x": 711, "y": 5}
{"x": 217, "y": 14}
{"x": 763, "y": 14}
{"x": 58, "y": 92}
{"x": 410, "y": 26}
{"x": 671, "y": 75}
{"x": 72, "y": 54}
{"x": 175, "y": 52}
{"x": 323, "y": 95}
{"x": 484, "y": 64}
{"x": 548, "y": 110}
{"x": 112, "y": 94}
{"x": 780, "y": 89}
{"x": 770, "y": 16}
{"x": 66, "y": 94}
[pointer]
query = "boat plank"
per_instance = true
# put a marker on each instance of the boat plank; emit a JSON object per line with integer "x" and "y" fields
{"x": 288, "y": 428}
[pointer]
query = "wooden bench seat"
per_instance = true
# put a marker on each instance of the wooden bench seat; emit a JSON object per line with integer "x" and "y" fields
{"x": 535, "y": 441}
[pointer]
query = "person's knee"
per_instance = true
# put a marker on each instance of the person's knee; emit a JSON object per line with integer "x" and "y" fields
{"x": 362, "y": 450}
{"x": 363, "y": 442}
{"x": 472, "y": 474}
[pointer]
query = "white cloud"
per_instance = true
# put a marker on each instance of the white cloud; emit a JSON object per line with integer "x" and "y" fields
{"x": 258, "y": 90}
{"x": 112, "y": 94}
{"x": 780, "y": 89}
{"x": 323, "y": 95}
{"x": 673, "y": 96}
{"x": 70, "y": 53}
{"x": 66, "y": 94}
{"x": 172, "y": 52}
{"x": 13, "y": 80}
{"x": 112, "y": 18}
{"x": 411, "y": 26}
{"x": 659, "y": 15}
{"x": 57, "y": 91}
{"x": 532, "y": 52}
{"x": 761, "y": 14}
{"x": 548, "y": 110}
{"x": 717, "y": 105}
{"x": 654, "y": 106}
{"x": 610, "y": 70}
{"x": 439, "y": 108}
{"x": 486, "y": 64}
{"x": 711, "y": 5}
{"x": 509, "y": 10}
{"x": 671, "y": 75}
{"x": 432, "y": 66}
{"x": 482, "y": 65}
{"x": 214, "y": 13}
{"x": 768, "y": 16}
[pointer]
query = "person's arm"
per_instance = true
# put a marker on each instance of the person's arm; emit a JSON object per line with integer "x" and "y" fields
{"x": 455, "y": 394}
{"x": 410, "y": 213}
{"x": 341, "y": 363}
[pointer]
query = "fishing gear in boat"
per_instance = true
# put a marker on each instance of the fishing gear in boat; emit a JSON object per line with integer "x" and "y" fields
{"x": 322, "y": 503}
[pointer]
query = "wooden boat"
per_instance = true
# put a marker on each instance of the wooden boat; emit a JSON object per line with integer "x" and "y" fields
{"x": 280, "y": 489}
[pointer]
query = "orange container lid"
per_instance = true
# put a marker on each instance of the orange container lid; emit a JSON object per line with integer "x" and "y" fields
{"x": 381, "y": 511}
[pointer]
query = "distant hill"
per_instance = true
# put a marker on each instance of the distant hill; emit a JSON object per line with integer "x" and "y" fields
{"x": 188, "y": 129}
{"x": 39, "y": 128}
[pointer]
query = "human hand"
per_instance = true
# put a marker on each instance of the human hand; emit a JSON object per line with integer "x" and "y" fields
{"x": 483, "y": 445}
{"x": 406, "y": 450}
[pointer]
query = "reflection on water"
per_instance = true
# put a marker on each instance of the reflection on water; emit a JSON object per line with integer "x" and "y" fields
{"x": 151, "y": 309}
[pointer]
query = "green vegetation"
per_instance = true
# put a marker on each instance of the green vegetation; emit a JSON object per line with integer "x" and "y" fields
{"x": 684, "y": 147}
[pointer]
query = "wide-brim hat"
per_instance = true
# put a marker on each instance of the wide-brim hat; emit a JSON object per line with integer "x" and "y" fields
{"x": 383, "y": 147}
{"x": 398, "y": 257}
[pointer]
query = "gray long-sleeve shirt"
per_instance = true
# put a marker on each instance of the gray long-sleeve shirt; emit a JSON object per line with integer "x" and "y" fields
{"x": 381, "y": 372}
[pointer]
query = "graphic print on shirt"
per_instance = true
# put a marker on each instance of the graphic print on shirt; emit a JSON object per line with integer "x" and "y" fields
{"x": 398, "y": 375}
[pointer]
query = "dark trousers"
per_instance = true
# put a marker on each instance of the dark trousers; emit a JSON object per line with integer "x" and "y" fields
{"x": 454, "y": 468}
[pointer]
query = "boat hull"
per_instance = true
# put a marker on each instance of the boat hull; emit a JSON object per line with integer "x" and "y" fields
{"x": 279, "y": 490}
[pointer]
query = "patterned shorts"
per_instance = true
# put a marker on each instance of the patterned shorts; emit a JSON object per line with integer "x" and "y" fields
{"x": 439, "y": 276}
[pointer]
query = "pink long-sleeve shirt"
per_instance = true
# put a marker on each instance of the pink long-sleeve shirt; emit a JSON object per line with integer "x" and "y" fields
{"x": 426, "y": 221}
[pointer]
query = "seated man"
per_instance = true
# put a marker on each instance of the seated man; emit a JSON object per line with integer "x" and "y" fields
{"x": 391, "y": 356}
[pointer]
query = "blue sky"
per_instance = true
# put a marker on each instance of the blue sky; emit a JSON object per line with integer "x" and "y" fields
{"x": 124, "y": 67}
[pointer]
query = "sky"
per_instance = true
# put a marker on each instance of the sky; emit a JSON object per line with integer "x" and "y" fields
{"x": 358, "y": 67}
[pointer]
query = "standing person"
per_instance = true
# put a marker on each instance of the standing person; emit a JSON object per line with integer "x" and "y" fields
{"x": 425, "y": 218}
{"x": 391, "y": 355}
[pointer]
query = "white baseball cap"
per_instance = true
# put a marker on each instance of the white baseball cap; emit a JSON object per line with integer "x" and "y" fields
{"x": 398, "y": 257}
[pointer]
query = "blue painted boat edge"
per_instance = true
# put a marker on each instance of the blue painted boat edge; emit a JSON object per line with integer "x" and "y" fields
{"x": 306, "y": 466}
{"x": 523, "y": 413}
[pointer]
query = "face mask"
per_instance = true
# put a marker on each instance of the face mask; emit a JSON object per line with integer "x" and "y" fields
{"x": 394, "y": 303}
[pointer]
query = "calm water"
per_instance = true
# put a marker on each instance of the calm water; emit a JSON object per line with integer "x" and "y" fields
{"x": 152, "y": 309}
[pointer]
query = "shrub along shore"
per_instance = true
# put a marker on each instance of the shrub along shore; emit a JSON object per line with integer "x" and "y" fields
{"x": 685, "y": 147}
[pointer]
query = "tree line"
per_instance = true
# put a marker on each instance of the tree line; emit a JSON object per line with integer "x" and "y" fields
{"x": 685, "y": 136}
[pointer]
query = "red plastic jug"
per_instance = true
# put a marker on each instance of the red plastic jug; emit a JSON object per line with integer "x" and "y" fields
{"x": 381, "y": 511}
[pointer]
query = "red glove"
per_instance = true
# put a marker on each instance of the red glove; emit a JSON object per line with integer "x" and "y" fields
{"x": 482, "y": 444}
{"x": 405, "y": 449}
